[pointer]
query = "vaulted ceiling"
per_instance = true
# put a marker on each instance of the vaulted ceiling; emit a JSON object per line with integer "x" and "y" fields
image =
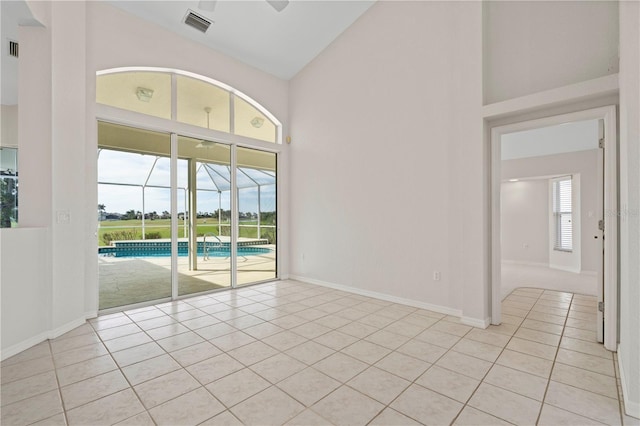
{"x": 280, "y": 43}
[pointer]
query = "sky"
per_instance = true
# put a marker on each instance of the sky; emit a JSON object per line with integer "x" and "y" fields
{"x": 135, "y": 169}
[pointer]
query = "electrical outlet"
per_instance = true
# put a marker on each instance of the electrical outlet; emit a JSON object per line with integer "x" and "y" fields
{"x": 436, "y": 275}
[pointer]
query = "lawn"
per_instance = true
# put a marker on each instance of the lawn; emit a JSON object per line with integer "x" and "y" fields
{"x": 161, "y": 228}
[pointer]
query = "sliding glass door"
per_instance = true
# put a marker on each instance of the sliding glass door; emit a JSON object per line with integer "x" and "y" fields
{"x": 134, "y": 232}
{"x": 225, "y": 209}
{"x": 204, "y": 261}
{"x": 256, "y": 242}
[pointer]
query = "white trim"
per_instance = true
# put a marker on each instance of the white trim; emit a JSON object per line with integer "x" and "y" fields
{"x": 382, "y": 296}
{"x": 631, "y": 408}
{"x": 586, "y": 90}
{"x": 475, "y": 322}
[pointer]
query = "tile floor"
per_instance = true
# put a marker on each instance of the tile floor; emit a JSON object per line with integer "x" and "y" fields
{"x": 299, "y": 354}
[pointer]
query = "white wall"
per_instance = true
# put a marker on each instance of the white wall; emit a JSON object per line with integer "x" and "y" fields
{"x": 58, "y": 140}
{"x": 629, "y": 349}
{"x": 24, "y": 292}
{"x": 386, "y": 186}
{"x": 531, "y": 46}
{"x": 524, "y": 221}
{"x": 9, "y": 125}
{"x": 581, "y": 162}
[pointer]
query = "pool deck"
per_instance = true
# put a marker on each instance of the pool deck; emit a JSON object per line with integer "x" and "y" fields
{"x": 128, "y": 280}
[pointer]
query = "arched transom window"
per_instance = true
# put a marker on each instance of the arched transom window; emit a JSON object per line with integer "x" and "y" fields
{"x": 198, "y": 101}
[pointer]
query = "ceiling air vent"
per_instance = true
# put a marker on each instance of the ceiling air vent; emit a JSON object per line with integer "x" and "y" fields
{"x": 196, "y": 21}
{"x": 13, "y": 48}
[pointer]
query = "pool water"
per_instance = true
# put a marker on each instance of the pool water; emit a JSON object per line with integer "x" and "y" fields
{"x": 183, "y": 250}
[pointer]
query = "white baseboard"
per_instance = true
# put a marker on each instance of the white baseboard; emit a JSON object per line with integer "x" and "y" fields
{"x": 382, "y": 296}
{"x": 631, "y": 408}
{"x": 475, "y": 322}
{"x": 65, "y": 328}
{"x": 23, "y": 346}
{"x": 41, "y": 337}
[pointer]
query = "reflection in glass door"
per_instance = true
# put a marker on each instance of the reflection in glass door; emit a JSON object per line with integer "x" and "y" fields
{"x": 204, "y": 255}
{"x": 257, "y": 208}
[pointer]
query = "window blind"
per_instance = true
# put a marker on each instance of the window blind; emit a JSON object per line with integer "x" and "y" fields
{"x": 562, "y": 211}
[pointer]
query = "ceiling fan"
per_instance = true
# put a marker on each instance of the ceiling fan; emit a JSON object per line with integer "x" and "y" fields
{"x": 210, "y": 5}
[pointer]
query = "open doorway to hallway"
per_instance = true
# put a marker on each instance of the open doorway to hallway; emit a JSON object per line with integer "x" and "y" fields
{"x": 551, "y": 202}
{"x": 553, "y": 180}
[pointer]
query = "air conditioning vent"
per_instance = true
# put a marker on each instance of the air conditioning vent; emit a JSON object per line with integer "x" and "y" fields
{"x": 196, "y": 21}
{"x": 13, "y": 48}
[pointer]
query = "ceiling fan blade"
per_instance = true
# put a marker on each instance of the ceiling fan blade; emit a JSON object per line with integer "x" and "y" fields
{"x": 278, "y": 4}
{"x": 209, "y": 5}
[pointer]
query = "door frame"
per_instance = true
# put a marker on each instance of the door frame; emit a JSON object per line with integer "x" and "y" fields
{"x": 610, "y": 259}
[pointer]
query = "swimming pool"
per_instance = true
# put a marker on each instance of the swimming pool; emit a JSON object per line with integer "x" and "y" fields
{"x": 163, "y": 249}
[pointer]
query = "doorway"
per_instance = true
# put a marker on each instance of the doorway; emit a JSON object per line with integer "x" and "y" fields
{"x": 551, "y": 238}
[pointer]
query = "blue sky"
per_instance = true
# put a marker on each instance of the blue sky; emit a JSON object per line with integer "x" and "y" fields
{"x": 136, "y": 169}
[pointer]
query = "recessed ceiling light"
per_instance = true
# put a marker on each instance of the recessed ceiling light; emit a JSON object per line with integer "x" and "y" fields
{"x": 514, "y": 180}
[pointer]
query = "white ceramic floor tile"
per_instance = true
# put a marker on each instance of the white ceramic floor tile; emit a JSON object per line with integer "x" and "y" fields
{"x": 346, "y": 406}
{"x": 309, "y": 386}
{"x": 307, "y": 418}
{"x": 552, "y": 416}
{"x": 505, "y": 405}
{"x": 426, "y": 406}
{"x": 366, "y": 351}
{"x": 584, "y": 379}
{"x": 214, "y": 368}
{"x": 527, "y": 363}
{"x": 272, "y": 404}
{"x": 588, "y": 362}
{"x": 237, "y": 387}
{"x": 137, "y": 354}
{"x": 464, "y": 364}
{"x": 485, "y": 336}
{"x": 517, "y": 381}
{"x": 164, "y": 388}
{"x": 106, "y": 411}
{"x": 150, "y": 369}
{"x": 392, "y": 417}
{"x": 196, "y": 353}
{"x": 469, "y": 416}
{"x": 232, "y": 341}
{"x": 92, "y": 389}
{"x": 339, "y": 366}
{"x": 448, "y": 383}
{"x": 529, "y": 347}
{"x": 477, "y": 349}
{"x": 28, "y": 387}
{"x": 284, "y": 340}
{"x": 423, "y": 351}
{"x": 402, "y": 365}
{"x": 283, "y": 367}
{"x": 379, "y": 384}
{"x": 223, "y": 419}
{"x": 584, "y": 403}
{"x": 189, "y": 409}
{"x": 278, "y": 367}
{"x": 252, "y": 353}
{"x": 310, "y": 352}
